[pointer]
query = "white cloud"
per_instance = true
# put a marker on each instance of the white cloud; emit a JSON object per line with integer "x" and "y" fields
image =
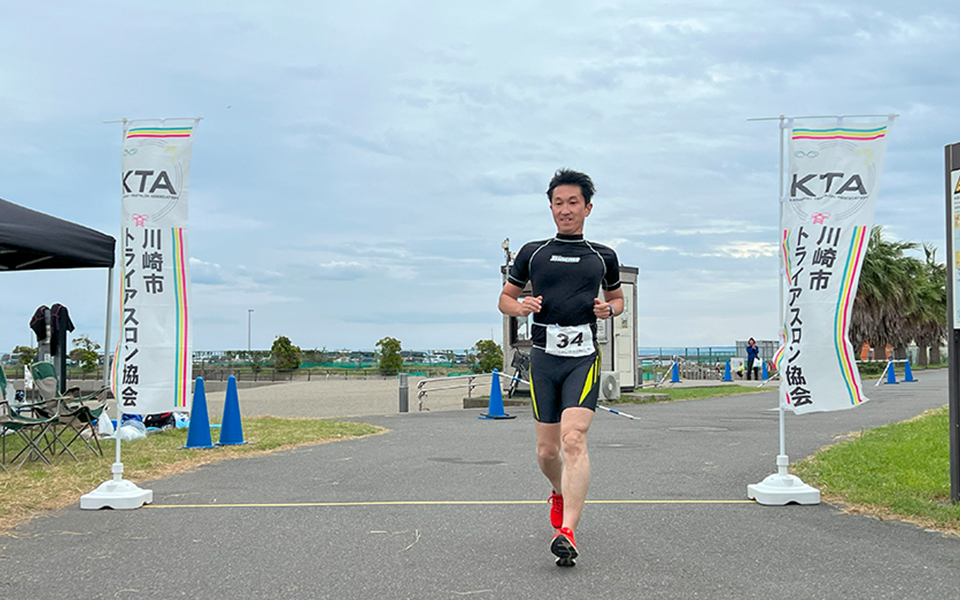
{"x": 747, "y": 249}
{"x": 368, "y": 175}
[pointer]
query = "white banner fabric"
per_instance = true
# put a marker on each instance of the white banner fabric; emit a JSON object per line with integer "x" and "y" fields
{"x": 826, "y": 218}
{"x": 153, "y": 367}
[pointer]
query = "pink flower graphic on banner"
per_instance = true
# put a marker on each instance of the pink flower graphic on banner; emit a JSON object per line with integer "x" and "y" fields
{"x": 139, "y": 220}
{"x": 818, "y": 218}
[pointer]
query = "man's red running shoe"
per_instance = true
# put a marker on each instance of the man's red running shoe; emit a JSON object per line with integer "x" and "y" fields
{"x": 564, "y": 547}
{"x": 556, "y": 509}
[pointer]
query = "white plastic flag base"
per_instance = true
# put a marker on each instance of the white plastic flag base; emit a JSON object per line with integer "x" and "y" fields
{"x": 782, "y": 488}
{"x": 117, "y": 493}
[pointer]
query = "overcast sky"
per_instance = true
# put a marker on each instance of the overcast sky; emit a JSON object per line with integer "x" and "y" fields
{"x": 359, "y": 163}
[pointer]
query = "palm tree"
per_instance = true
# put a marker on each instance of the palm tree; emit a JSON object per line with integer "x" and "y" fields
{"x": 886, "y": 294}
{"x": 900, "y": 299}
{"x": 930, "y": 319}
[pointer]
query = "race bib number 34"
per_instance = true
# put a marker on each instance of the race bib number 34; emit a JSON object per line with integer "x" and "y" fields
{"x": 575, "y": 340}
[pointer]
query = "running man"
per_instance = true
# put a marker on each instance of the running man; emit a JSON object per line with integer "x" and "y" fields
{"x": 566, "y": 272}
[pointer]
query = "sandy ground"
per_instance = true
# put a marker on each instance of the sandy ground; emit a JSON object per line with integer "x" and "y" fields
{"x": 342, "y": 398}
{"x": 337, "y": 397}
{"x": 331, "y": 397}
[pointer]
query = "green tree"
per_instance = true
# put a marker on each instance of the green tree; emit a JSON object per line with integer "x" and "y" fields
{"x": 489, "y": 356}
{"x": 27, "y": 355}
{"x": 286, "y": 356}
{"x": 86, "y": 352}
{"x": 388, "y": 350}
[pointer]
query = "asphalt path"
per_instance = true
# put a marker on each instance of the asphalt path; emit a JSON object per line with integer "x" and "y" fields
{"x": 445, "y": 505}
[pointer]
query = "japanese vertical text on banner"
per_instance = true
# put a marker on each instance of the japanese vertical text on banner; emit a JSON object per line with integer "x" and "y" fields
{"x": 826, "y": 218}
{"x": 153, "y": 369}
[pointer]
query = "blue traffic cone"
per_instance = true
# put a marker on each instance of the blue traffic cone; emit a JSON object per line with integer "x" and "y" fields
{"x": 198, "y": 435}
{"x": 763, "y": 373}
{"x": 495, "y": 408}
{"x": 907, "y": 373}
{"x": 726, "y": 372}
{"x": 891, "y": 375}
{"x": 676, "y": 373}
{"x": 231, "y": 430}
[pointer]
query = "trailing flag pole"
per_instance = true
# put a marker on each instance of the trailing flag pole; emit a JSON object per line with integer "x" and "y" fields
{"x": 617, "y": 412}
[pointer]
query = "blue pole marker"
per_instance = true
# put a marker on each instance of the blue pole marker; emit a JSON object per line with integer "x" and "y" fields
{"x": 764, "y": 374}
{"x": 676, "y": 373}
{"x": 726, "y": 372}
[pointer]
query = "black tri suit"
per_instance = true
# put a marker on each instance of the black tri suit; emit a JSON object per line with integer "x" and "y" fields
{"x": 567, "y": 271}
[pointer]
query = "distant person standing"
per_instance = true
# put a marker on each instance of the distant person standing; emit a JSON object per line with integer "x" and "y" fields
{"x": 566, "y": 273}
{"x": 753, "y": 354}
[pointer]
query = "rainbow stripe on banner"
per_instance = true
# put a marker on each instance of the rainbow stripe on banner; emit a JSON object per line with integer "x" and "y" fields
{"x": 778, "y": 358}
{"x": 181, "y": 377}
{"x": 785, "y": 248}
{"x": 845, "y": 354}
{"x": 839, "y": 133}
{"x": 778, "y": 355}
{"x": 159, "y": 132}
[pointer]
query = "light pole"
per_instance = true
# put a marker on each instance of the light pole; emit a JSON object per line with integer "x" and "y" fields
{"x": 249, "y": 320}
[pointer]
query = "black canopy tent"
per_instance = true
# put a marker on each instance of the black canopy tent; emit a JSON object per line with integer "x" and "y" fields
{"x": 31, "y": 240}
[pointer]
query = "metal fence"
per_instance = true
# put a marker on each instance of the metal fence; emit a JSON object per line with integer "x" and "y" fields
{"x": 695, "y": 363}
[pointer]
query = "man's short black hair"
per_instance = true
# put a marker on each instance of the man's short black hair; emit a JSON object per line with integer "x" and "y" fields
{"x": 568, "y": 177}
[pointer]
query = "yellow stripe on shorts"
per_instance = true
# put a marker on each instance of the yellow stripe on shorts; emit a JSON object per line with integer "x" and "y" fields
{"x": 592, "y": 376}
{"x": 533, "y": 397}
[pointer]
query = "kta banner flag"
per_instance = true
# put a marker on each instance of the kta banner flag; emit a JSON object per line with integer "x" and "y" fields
{"x": 825, "y": 221}
{"x": 153, "y": 368}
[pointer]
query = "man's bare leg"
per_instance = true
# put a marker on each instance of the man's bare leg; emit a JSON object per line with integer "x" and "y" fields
{"x": 575, "y": 477}
{"x": 548, "y": 453}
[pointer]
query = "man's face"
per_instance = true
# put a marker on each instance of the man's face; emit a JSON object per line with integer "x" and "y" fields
{"x": 569, "y": 209}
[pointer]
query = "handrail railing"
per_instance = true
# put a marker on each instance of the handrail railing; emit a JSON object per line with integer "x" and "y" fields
{"x": 470, "y": 384}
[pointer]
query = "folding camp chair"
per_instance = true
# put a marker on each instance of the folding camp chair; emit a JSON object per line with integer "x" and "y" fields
{"x": 74, "y": 413}
{"x": 3, "y": 385}
{"x": 29, "y": 429}
{"x": 85, "y": 411}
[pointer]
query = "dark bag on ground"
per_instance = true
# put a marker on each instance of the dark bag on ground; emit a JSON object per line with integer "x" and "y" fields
{"x": 160, "y": 420}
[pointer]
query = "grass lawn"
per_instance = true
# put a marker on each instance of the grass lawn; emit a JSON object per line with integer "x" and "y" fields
{"x": 39, "y": 487}
{"x": 899, "y": 471}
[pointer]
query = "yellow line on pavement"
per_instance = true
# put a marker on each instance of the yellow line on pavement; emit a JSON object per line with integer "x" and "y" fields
{"x": 436, "y": 503}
